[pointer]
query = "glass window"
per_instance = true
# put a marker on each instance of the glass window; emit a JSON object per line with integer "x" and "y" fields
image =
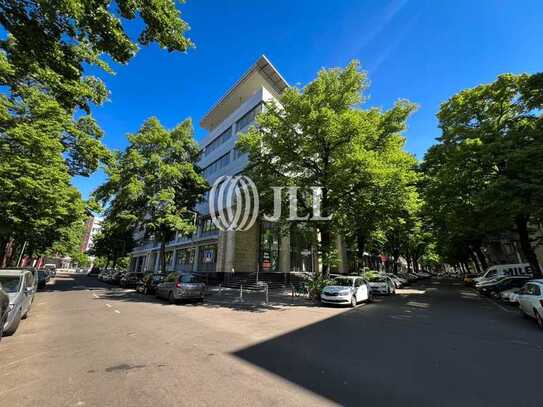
{"x": 188, "y": 278}
{"x": 220, "y": 140}
{"x": 10, "y": 284}
{"x": 248, "y": 118}
{"x": 216, "y": 165}
{"x": 208, "y": 254}
{"x": 237, "y": 154}
{"x": 185, "y": 256}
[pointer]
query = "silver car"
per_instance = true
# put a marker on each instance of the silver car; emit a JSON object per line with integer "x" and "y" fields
{"x": 20, "y": 285}
{"x": 181, "y": 287}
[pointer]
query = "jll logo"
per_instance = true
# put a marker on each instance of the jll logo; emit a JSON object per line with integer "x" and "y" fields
{"x": 234, "y": 203}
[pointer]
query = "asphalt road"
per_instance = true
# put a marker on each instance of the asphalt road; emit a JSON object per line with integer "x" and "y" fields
{"x": 87, "y": 344}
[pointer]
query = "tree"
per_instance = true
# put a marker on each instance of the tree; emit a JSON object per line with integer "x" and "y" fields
{"x": 380, "y": 176}
{"x": 156, "y": 183}
{"x": 47, "y": 133}
{"x": 491, "y": 140}
{"x": 302, "y": 142}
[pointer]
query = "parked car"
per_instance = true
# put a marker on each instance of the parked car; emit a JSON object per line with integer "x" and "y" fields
{"x": 505, "y": 270}
{"x": 52, "y": 269}
{"x": 347, "y": 290}
{"x": 4, "y": 309}
{"x": 102, "y": 276}
{"x": 493, "y": 288}
{"x": 130, "y": 280}
{"x": 381, "y": 285}
{"x": 530, "y": 300}
{"x": 149, "y": 283}
{"x": 116, "y": 277}
{"x": 176, "y": 287}
{"x": 510, "y": 296}
{"x": 469, "y": 279}
{"x": 20, "y": 287}
{"x": 94, "y": 271}
{"x": 43, "y": 278}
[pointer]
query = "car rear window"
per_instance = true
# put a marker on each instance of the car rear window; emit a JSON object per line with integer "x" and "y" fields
{"x": 188, "y": 278}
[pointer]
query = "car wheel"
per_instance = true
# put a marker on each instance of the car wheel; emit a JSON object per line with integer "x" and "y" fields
{"x": 539, "y": 319}
{"x": 393, "y": 291}
{"x": 15, "y": 325}
{"x": 145, "y": 290}
{"x": 353, "y": 301}
{"x": 171, "y": 298}
{"x": 370, "y": 297}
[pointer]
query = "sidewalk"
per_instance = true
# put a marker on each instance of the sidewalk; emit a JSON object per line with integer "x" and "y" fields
{"x": 255, "y": 299}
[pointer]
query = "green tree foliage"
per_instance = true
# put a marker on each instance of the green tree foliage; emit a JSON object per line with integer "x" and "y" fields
{"x": 155, "y": 183}
{"x": 483, "y": 176}
{"x": 47, "y": 133}
{"x": 319, "y": 136}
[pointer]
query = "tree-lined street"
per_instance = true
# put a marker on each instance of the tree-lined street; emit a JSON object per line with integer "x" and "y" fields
{"x": 437, "y": 343}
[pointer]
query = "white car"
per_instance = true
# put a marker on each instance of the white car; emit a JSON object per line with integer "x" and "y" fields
{"x": 530, "y": 300}
{"x": 382, "y": 285}
{"x": 347, "y": 290}
{"x": 510, "y": 296}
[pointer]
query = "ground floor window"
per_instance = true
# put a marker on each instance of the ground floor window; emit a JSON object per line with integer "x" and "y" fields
{"x": 270, "y": 238}
{"x": 185, "y": 256}
{"x": 207, "y": 257}
{"x": 302, "y": 240}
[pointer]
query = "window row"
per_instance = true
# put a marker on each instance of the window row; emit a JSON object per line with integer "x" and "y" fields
{"x": 223, "y": 138}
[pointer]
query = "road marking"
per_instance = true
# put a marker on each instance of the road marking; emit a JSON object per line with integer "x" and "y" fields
{"x": 117, "y": 311}
{"x": 108, "y": 305}
{"x": 95, "y": 296}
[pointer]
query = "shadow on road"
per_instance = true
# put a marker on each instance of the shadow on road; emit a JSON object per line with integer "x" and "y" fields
{"x": 73, "y": 282}
{"x": 430, "y": 349}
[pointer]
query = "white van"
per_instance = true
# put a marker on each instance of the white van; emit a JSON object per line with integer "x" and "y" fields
{"x": 505, "y": 270}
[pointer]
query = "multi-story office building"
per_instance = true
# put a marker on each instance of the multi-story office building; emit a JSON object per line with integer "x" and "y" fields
{"x": 211, "y": 250}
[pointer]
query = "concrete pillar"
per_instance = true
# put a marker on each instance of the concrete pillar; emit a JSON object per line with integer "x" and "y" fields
{"x": 230, "y": 251}
{"x": 284, "y": 253}
{"x": 157, "y": 261}
{"x": 195, "y": 260}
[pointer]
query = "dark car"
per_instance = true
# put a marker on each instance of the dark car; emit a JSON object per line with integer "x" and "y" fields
{"x": 495, "y": 287}
{"x": 94, "y": 271}
{"x": 116, "y": 277}
{"x": 43, "y": 278}
{"x": 130, "y": 280}
{"x": 4, "y": 309}
{"x": 149, "y": 282}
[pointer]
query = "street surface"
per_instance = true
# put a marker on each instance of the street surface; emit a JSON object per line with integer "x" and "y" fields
{"x": 439, "y": 344}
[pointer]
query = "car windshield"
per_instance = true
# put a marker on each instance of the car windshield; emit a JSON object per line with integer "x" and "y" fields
{"x": 344, "y": 282}
{"x": 10, "y": 284}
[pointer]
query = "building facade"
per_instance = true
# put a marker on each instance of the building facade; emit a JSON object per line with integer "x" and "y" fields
{"x": 261, "y": 248}
{"x": 93, "y": 225}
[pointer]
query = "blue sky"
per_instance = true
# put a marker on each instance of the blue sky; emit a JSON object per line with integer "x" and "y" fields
{"x": 424, "y": 51}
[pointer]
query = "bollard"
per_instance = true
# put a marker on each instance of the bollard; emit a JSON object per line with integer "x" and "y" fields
{"x": 220, "y": 288}
{"x": 267, "y": 297}
{"x": 241, "y": 293}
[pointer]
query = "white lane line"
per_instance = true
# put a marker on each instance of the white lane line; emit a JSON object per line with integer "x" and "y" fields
{"x": 95, "y": 296}
{"x": 108, "y": 305}
{"x": 117, "y": 311}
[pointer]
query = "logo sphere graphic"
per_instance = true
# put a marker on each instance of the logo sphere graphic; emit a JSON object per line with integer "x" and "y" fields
{"x": 233, "y": 203}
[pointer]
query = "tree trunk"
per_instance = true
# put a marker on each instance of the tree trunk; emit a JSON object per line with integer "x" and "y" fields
{"x": 526, "y": 246}
{"x": 163, "y": 256}
{"x": 475, "y": 261}
{"x": 360, "y": 246}
{"x": 482, "y": 258}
